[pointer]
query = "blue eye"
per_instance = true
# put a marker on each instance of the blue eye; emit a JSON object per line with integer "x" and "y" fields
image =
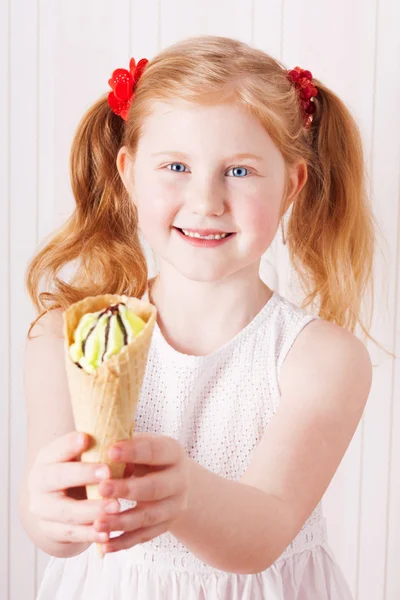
{"x": 176, "y": 164}
{"x": 239, "y": 168}
{"x": 180, "y": 171}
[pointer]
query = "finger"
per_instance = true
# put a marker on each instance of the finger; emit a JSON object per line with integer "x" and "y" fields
{"x": 64, "y": 448}
{"x": 62, "y": 532}
{"x": 131, "y": 538}
{"x": 150, "y": 449}
{"x": 60, "y": 476}
{"x": 150, "y": 487}
{"x": 146, "y": 514}
{"x": 53, "y": 507}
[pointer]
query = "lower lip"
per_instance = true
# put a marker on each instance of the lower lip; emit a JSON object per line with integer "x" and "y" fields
{"x": 204, "y": 243}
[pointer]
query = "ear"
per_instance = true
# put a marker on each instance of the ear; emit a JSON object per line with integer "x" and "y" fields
{"x": 297, "y": 180}
{"x": 125, "y": 170}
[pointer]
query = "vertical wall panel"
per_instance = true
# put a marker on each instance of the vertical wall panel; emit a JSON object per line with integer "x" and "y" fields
{"x": 226, "y": 17}
{"x": 385, "y": 173}
{"x": 92, "y": 41}
{"x": 5, "y": 274}
{"x": 392, "y": 581}
{"x": 267, "y": 26}
{"x": 47, "y": 124}
{"x": 23, "y": 219}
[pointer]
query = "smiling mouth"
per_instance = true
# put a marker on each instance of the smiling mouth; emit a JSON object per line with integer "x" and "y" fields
{"x": 196, "y": 235}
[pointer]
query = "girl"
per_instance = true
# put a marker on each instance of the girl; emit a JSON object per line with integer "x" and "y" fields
{"x": 248, "y": 402}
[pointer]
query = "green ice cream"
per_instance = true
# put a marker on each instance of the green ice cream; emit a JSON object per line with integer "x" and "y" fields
{"x": 101, "y": 334}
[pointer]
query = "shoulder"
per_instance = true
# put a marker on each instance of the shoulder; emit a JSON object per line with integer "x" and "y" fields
{"x": 48, "y": 323}
{"x": 321, "y": 336}
{"x": 44, "y": 343}
{"x": 325, "y": 354}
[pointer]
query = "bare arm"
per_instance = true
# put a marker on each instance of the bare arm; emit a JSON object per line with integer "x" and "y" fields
{"x": 244, "y": 526}
{"x": 49, "y": 416}
{"x": 230, "y": 525}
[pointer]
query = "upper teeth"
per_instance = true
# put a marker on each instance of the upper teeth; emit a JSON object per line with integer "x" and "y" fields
{"x": 216, "y": 236}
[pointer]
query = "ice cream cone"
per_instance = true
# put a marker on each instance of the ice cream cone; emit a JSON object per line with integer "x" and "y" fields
{"x": 104, "y": 403}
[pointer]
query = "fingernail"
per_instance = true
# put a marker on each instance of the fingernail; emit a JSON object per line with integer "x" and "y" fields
{"x": 102, "y": 537}
{"x": 102, "y": 473}
{"x": 112, "y": 507}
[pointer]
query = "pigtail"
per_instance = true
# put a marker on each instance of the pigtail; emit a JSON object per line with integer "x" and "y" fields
{"x": 332, "y": 230}
{"x": 102, "y": 233}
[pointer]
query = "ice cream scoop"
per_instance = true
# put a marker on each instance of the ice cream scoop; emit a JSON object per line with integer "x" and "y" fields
{"x": 99, "y": 335}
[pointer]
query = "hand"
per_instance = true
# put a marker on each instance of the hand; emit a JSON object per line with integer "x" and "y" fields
{"x": 56, "y": 469}
{"x": 161, "y": 493}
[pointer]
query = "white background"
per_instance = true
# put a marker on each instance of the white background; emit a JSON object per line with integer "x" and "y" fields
{"x": 55, "y": 60}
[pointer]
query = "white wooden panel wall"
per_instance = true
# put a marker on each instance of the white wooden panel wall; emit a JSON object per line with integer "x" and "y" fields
{"x": 55, "y": 60}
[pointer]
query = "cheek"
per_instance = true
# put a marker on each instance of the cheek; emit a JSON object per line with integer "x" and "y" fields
{"x": 156, "y": 209}
{"x": 259, "y": 221}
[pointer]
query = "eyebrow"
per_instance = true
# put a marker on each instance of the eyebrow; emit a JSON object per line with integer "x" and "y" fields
{"x": 241, "y": 155}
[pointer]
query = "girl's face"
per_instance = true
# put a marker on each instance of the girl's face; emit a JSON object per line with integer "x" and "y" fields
{"x": 186, "y": 175}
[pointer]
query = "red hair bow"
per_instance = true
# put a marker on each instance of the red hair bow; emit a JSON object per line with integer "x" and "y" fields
{"x": 123, "y": 83}
{"x": 307, "y": 92}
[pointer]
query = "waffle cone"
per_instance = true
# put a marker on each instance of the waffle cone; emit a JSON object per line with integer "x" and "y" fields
{"x": 104, "y": 403}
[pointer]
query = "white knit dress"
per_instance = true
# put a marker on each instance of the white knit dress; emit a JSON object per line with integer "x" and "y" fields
{"x": 218, "y": 407}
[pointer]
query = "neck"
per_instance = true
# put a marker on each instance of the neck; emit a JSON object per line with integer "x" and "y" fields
{"x": 198, "y": 317}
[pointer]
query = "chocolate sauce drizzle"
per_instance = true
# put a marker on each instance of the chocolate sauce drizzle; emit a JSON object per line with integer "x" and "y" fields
{"x": 90, "y": 330}
{"x": 113, "y": 310}
{"x": 106, "y": 336}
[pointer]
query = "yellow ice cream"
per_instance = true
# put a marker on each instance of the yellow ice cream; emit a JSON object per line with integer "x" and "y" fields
{"x": 101, "y": 334}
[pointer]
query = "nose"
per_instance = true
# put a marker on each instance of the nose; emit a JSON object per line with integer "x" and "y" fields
{"x": 206, "y": 198}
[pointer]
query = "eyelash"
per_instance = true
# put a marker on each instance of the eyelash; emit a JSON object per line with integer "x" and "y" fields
{"x": 234, "y": 167}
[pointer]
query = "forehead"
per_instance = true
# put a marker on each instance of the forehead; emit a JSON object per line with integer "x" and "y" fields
{"x": 182, "y": 122}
